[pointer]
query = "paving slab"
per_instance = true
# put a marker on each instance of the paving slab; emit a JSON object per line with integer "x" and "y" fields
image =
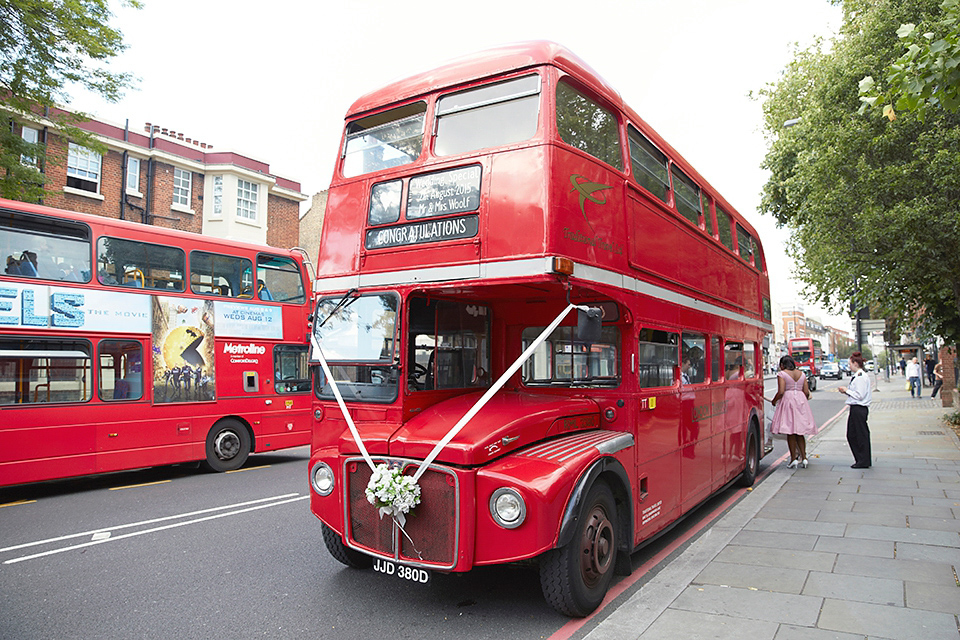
{"x": 900, "y": 534}
{"x": 857, "y": 547}
{"x": 932, "y": 597}
{"x": 790, "y": 526}
{"x": 777, "y": 557}
{"x": 858, "y": 588}
{"x": 896, "y": 569}
{"x": 777, "y": 579}
{"x": 791, "y": 632}
{"x": 856, "y": 517}
{"x": 935, "y": 524}
{"x": 750, "y": 604}
{"x": 773, "y": 539}
{"x": 929, "y": 553}
{"x": 896, "y": 623}
{"x": 691, "y": 625}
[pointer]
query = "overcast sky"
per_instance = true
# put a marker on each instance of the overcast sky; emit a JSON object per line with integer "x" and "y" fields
{"x": 273, "y": 80}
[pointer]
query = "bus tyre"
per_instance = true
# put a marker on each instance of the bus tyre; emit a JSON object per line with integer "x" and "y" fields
{"x": 752, "y": 463}
{"x": 342, "y": 553}
{"x": 575, "y": 577}
{"x": 228, "y": 445}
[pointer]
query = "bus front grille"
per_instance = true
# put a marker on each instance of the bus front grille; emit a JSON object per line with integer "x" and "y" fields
{"x": 430, "y": 534}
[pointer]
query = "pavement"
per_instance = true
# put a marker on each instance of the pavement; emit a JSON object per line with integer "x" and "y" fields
{"x": 826, "y": 552}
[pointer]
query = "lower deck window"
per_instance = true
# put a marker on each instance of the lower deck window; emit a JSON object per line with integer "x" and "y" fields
{"x": 292, "y": 374}
{"x": 121, "y": 370}
{"x": 37, "y": 370}
{"x": 561, "y": 360}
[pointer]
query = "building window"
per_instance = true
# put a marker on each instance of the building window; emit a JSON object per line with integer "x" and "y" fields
{"x": 133, "y": 175}
{"x": 218, "y": 195}
{"x": 247, "y": 200}
{"x": 32, "y": 136}
{"x": 83, "y": 168}
{"x": 181, "y": 187}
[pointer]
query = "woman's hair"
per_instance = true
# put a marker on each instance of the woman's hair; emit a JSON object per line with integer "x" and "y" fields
{"x": 857, "y": 357}
{"x": 788, "y": 363}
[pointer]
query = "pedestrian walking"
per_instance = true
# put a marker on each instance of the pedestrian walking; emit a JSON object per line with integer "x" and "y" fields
{"x": 928, "y": 368}
{"x": 938, "y": 379}
{"x": 903, "y": 366}
{"x": 913, "y": 376}
{"x": 793, "y": 416}
{"x": 859, "y": 396}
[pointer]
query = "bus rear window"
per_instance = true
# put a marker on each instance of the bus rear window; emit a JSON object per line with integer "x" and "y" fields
{"x": 279, "y": 279}
{"x": 390, "y": 139}
{"x": 489, "y": 116}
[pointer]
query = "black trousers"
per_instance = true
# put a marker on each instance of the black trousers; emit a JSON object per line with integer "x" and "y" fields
{"x": 858, "y": 434}
{"x": 936, "y": 388}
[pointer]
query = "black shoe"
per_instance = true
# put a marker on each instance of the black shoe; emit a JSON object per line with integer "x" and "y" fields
{"x": 859, "y": 466}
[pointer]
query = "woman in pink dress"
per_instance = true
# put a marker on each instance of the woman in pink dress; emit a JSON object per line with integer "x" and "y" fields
{"x": 793, "y": 416}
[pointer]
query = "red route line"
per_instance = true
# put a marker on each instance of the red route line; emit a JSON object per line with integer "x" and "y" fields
{"x": 571, "y": 627}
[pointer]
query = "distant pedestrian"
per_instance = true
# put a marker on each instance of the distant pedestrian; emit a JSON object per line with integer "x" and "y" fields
{"x": 938, "y": 379}
{"x": 913, "y": 375}
{"x": 859, "y": 396}
{"x": 928, "y": 367}
{"x": 903, "y": 366}
{"x": 793, "y": 416}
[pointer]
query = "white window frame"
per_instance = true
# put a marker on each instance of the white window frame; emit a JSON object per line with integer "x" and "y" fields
{"x": 182, "y": 188}
{"x": 83, "y": 164}
{"x": 248, "y": 200}
{"x": 31, "y": 135}
{"x": 133, "y": 176}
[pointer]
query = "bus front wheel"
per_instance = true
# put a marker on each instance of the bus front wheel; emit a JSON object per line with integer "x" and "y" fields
{"x": 228, "y": 445}
{"x": 342, "y": 553}
{"x": 575, "y": 577}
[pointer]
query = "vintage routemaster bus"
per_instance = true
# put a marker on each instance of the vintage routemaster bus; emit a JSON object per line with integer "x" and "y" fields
{"x": 465, "y": 414}
{"x": 808, "y": 354}
{"x": 124, "y": 345}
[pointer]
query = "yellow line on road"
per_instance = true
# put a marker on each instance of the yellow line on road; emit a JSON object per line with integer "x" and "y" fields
{"x": 263, "y": 466}
{"x": 145, "y": 484}
{"x": 13, "y": 504}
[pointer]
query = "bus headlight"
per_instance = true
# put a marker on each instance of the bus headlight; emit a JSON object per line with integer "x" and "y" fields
{"x": 508, "y": 508}
{"x": 321, "y": 477}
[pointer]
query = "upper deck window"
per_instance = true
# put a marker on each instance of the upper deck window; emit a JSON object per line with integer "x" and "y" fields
{"x": 586, "y": 125}
{"x": 488, "y": 116}
{"x": 687, "y": 196}
{"x": 649, "y": 165}
{"x": 47, "y": 248}
{"x": 744, "y": 244}
{"x": 384, "y": 140}
{"x": 723, "y": 228}
{"x": 131, "y": 263}
{"x": 279, "y": 279}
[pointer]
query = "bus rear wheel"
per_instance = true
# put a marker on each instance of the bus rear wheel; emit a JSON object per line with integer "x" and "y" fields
{"x": 752, "y": 463}
{"x": 228, "y": 445}
{"x": 575, "y": 577}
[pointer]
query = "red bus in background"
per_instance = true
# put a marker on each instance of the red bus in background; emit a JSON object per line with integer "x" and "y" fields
{"x": 808, "y": 355}
{"x": 473, "y": 208}
{"x": 124, "y": 345}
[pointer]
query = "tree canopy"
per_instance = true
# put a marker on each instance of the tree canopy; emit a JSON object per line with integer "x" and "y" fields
{"x": 47, "y": 48}
{"x": 872, "y": 205}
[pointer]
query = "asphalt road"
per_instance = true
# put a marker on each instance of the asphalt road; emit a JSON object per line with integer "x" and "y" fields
{"x": 173, "y": 552}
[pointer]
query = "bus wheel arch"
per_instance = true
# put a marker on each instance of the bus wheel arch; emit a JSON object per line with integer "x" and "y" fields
{"x": 228, "y": 444}
{"x": 594, "y": 541}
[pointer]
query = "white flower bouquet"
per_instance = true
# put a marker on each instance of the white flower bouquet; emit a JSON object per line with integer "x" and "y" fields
{"x": 393, "y": 493}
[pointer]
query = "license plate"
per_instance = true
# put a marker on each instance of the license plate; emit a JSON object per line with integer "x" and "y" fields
{"x": 401, "y": 571}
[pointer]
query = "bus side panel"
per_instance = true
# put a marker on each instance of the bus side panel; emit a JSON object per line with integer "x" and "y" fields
{"x": 515, "y": 202}
{"x": 696, "y": 441}
{"x": 30, "y": 452}
{"x": 658, "y": 451}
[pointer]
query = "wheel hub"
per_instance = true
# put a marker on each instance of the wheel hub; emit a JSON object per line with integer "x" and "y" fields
{"x": 226, "y": 445}
{"x": 596, "y": 546}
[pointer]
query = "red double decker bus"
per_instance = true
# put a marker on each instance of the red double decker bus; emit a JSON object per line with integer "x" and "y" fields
{"x": 465, "y": 415}
{"x": 124, "y": 345}
{"x": 808, "y": 354}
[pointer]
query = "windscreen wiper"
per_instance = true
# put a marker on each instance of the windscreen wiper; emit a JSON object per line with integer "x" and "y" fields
{"x": 342, "y": 304}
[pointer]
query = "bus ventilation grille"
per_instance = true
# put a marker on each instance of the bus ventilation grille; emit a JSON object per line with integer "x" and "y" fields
{"x": 431, "y": 525}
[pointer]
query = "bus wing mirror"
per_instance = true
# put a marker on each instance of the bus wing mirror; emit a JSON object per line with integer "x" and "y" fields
{"x": 589, "y": 325}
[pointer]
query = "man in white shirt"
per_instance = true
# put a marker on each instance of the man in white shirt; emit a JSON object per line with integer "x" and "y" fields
{"x": 913, "y": 375}
{"x": 859, "y": 395}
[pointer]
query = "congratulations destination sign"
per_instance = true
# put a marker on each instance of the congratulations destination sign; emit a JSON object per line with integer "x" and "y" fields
{"x": 423, "y": 232}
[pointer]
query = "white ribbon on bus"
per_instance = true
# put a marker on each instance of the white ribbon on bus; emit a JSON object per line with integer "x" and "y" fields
{"x": 502, "y": 380}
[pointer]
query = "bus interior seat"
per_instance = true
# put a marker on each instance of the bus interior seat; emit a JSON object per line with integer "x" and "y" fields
{"x": 121, "y": 390}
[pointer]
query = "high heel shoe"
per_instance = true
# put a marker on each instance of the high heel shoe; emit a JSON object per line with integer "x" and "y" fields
{"x": 793, "y": 463}
{"x": 804, "y": 463}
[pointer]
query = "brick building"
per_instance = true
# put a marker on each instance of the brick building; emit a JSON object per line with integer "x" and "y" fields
{"x": 159, "y": 177}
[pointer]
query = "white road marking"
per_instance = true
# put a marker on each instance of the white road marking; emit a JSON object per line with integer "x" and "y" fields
{"x": 283, "y": 498}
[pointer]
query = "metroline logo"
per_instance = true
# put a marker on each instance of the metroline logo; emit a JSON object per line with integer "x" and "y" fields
{"x": 245, "y": 349}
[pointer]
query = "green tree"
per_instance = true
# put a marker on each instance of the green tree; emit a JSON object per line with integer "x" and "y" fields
{"x": 927, "y": 74}
{"x": 872, "y": 208}
{"x": 47, "y": 48}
